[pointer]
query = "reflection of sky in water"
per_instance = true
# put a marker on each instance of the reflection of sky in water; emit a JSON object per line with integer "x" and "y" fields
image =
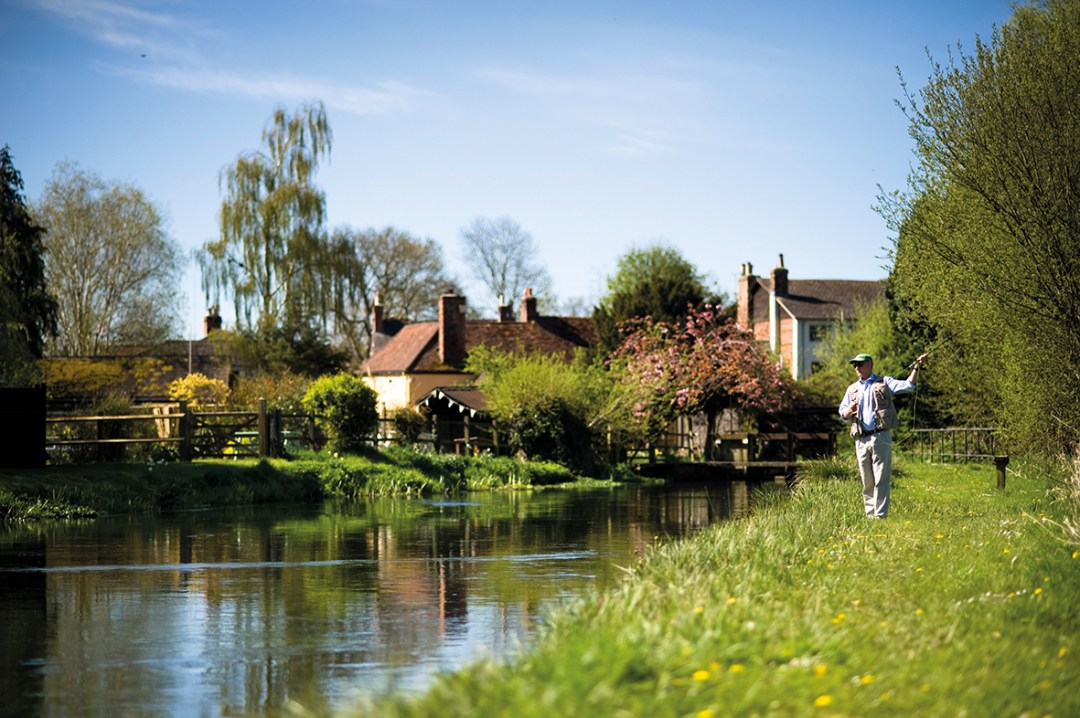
{"x": 208, "y": 613}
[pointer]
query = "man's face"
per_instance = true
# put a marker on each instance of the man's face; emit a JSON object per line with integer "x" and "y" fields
{"x": 864, "y": 369}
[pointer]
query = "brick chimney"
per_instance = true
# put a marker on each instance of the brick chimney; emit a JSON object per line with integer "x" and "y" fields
{"x": 452, "y": 330}
{"x": 506, "y": 311}
{"x": 212, "y": 320}
{"x": 746, "y": 281}
{"x": 528, "y": 306}
{"x": 779, "y": 279}
{"x": 377, "y": 316}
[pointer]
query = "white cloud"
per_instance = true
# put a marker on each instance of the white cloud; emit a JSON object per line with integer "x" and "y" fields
{"x": 384, "y": 98}
{"x": 120, "y": 25}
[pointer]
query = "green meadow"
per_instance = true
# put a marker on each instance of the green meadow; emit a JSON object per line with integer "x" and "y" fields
{"x": 964, "y": 602}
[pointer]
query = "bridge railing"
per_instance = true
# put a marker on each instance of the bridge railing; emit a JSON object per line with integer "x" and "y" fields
{"x": 956, "y": 444}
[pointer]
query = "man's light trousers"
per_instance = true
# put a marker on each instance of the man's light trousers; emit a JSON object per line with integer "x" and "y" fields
{"x": 874, "y": 454}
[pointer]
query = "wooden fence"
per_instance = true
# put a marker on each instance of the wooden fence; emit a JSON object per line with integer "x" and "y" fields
{"x": 177, "y": 432}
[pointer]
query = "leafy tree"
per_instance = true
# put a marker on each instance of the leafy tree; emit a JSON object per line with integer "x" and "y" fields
{"x": 27, "y": 310}
{"x": 111, "y": 264}
{"x": 987, "y": 255}
{"x": 504, "y": 258}
{"x": 304, "y": 350}
{"x": 345, "y": 407}
{"x": 652, "y": 282}
{"x": 405, "y": 274}
{"x": 706, "y": 363}
{"x": 271, "y": 255}
{"x": 872, "y": 333}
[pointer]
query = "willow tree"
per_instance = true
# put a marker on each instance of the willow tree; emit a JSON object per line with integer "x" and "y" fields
{"x": 988, "y": 246}
{"x": 270, "y": 256}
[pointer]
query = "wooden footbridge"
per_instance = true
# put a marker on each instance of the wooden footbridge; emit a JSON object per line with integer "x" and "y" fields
{"x": 767, "y": 457}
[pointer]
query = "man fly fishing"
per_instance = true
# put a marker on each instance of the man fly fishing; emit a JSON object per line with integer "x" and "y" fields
{"x": 868, "y": 407}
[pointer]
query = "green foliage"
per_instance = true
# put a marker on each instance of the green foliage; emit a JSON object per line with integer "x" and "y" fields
{"x": 27, "y": 310}
{"x": 652, "y": 282}
{"x": 271, "y": 255}
{"x": 408, "y": 424}
{"x": 345, "y": 407}
{"x": 199, "y": 391}
{"x": 111, "y": 264}
{"x": 284, "y": 391}
{"x": 987, "y": 257}
{"x": 550, "y": 409}
{"x": 303, "y": 350}
{"x": 870, "y": 331}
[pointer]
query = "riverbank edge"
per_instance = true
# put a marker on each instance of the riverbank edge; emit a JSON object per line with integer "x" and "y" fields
{"x": 86, "y": 491}
{"x": 963, "y": 602}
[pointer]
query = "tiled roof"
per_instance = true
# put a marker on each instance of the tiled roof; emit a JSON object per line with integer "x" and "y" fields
{"x": 415, "y": 348}
{"x": 401, "y": 352}
{"x": 820, "y": 298}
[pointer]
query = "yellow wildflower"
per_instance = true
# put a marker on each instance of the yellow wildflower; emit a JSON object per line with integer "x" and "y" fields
{"x": 822, "y": 701}
{"x": 731, "y": 601}
{"x": 698, "y": 610}
{"x": 736, "y": 668}
{"x": 706, "y": 713}
{"x": 866, "y": 680}
{"x": 701, "y": 675}
{"x": 820, "y": 669}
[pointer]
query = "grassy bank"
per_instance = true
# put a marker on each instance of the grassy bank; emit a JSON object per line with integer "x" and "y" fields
{"x": 966, "y": 601}
{"x": 93, "y": 489}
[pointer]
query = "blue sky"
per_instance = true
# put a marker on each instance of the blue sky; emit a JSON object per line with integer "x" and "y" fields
{"x": 732, "y": 131}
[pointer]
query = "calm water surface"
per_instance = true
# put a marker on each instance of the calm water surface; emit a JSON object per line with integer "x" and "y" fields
{"x": 239, "y": 612}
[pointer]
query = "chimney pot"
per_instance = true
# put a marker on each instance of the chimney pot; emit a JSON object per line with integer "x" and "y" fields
{"x": 528, "y": 306}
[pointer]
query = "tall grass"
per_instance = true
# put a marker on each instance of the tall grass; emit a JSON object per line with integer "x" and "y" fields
{"x": 966, "y": 601}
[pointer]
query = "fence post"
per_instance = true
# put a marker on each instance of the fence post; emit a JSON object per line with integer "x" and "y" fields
{"x": 264, "y": 430}
{"x": 186, "y": 432}
{"x": 1000, "y": 462}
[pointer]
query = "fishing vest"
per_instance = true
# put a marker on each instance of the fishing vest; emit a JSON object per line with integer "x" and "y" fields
{"x": 881, "y": 403}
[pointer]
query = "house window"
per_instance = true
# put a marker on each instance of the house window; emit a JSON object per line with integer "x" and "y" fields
{"x": 818, "y": 332}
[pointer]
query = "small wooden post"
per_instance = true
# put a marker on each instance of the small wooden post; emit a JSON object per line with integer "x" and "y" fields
{"x": 264, "y": 430}
{"x": 1000, "y": 462}
{"x": 185, "y": 432}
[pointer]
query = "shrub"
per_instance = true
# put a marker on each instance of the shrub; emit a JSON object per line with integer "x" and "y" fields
{"x": 409, "y": 424}
{"x": 284, "y": 390}
{"x": 345, "y": 409}
{"x": 199, "y": 390}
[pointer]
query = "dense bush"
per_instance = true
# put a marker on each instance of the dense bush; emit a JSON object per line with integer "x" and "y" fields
{"x": 552, "y": 431}
{"x": 409, "y": 424}
{"x": 345, "y": 409}
{"x": 199, "y": 391}
{"x": 546, "y": 405}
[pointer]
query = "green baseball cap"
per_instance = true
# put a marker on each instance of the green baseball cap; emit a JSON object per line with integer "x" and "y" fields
{"x": 860, "y": 358}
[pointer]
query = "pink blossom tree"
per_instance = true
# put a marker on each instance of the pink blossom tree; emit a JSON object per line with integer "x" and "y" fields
{"x": 705, "y": 364}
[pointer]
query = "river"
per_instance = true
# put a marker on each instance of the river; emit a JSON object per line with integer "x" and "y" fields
{"x": 242, "y": 611}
